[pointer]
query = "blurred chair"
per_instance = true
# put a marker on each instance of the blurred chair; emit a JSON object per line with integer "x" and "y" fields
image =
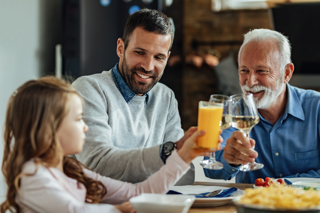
{"x": 227, "y": 73}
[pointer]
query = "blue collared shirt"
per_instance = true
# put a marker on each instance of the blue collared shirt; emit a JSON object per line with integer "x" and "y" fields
{"x": 289, "y": 148}
{"x": 123, "y": 87}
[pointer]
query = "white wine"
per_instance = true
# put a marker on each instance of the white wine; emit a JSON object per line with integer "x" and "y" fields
{"x": 225, "y": 123}
{"x": 244, "y": 122}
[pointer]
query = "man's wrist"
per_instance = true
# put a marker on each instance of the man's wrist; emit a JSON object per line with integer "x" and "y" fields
{"x": 178, "y": 145}
{"x": 166, "y": 149}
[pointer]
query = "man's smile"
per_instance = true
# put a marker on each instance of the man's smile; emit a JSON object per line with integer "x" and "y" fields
{"x": 143, "y": 78}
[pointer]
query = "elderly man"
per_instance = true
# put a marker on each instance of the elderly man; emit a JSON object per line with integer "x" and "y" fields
{"x": 287, "y": 137}
{"x": 132, "y": 118}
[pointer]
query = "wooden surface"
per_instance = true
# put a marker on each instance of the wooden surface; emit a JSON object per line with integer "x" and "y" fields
{"x": 229, "y": 208}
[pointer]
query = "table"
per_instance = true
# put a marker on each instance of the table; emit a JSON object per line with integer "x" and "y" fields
{"x": 230, "y": 208}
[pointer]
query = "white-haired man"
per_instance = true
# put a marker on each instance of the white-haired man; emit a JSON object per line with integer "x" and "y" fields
{"x": 287, "y": 137}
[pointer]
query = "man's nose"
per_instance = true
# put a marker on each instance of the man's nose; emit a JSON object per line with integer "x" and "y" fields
{"x": 148, "y": 64}
{"x": 252, "y": 79}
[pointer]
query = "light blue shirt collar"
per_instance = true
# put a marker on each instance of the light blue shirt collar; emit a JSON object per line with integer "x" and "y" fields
{"x": 294, "y": 107}
{"x": 123, "y": 87}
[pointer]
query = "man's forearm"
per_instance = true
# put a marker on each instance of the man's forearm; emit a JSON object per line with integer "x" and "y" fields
{"x": 134, "y": 165}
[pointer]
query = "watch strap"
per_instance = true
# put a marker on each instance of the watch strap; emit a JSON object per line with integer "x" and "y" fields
{"x": 164, "y": 153}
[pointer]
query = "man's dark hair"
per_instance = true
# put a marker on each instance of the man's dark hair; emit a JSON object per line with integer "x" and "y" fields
{"x": 150, "y": 20}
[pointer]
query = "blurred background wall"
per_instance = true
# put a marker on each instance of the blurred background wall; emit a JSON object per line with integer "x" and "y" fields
{"x": 29, "y": 31}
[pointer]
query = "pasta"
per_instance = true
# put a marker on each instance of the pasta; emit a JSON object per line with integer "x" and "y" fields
{"x": 280, "y": 196}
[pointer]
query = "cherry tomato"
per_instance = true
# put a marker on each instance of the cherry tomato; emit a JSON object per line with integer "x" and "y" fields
{"x": 259, "y": 182}
{"x": 281, "y": 181}
{"x": 267, "y": 179}
{"x": 266, "y": 184}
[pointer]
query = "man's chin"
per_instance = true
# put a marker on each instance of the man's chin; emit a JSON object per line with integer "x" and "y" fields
{"x": 264, "y": 103}
{"x": 141, "y": 91}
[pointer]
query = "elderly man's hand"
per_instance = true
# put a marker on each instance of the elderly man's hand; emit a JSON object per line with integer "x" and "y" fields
{"x": 238, "y": 149}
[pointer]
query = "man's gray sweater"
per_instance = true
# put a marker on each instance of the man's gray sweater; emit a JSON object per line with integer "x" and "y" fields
{"x": 124, "y": 139}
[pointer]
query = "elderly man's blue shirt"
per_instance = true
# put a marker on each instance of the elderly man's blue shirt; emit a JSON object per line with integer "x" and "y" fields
{"x": 123, "y": 87}
{"x": 289, "y": 148}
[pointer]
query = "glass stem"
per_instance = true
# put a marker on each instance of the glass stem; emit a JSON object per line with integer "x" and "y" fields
{"x": 213, "y": 157}
{"x": 246, "y": 133}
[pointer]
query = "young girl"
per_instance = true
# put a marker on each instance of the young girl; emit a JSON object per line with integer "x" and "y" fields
{"x": 43, "y": 126}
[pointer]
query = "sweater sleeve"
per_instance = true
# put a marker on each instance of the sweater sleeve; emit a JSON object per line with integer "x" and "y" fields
{"x": 131, "y": 165}
{"x": 173, "y": 131}
{"x": 159, "y": 182}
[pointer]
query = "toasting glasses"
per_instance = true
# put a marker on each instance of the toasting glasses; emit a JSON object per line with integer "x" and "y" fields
{"x": 245, "y": 117}
{"x": 220, "y": 118}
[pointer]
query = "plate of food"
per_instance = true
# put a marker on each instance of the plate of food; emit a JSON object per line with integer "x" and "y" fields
{"x": 208, "y": 201}
{"x": 278, "y": 198}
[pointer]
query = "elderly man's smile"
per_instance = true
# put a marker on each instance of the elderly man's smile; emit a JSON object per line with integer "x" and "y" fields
{"x": 257, "y": 94}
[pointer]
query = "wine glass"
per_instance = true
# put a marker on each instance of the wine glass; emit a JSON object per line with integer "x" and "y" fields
{"x": 245, "y": 117}
{"x": 224, "y": 123}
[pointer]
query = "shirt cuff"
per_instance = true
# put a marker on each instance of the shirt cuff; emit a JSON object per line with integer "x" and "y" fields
{"x": 228, "y": 168}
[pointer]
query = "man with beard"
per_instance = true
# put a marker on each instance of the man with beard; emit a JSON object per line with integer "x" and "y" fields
{"x": 132, "y": 118}
{"x": 287, "y": 137}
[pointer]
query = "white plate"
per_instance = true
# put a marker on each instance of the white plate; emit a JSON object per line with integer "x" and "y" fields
{"x": 206, "y": 202}
{"x": 160, "y": 203}
{"x": 302, "y": 182}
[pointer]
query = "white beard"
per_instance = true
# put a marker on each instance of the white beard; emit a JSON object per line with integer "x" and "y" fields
{"x": 269, "y": 96}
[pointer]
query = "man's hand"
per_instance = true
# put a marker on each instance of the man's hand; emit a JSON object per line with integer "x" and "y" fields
{"x": 190, "y": 150}
{"x": 126, "y": 207}
{"x": 238, "y": 149}
{"x": 187, "y": 134}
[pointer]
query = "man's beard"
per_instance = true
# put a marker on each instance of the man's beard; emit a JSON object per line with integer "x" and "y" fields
{"x": 138, "y": 87}
{"x": 269, "y": 96}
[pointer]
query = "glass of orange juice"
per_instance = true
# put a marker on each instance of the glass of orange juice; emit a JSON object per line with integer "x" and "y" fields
{"x": 209, "y": 118}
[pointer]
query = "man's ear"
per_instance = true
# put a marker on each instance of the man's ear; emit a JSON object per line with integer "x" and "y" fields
{"x": 288, "y": 72}
{"x": 120, "y": 48}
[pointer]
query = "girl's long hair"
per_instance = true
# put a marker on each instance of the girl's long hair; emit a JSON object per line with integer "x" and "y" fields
{"x": 34, "y": 114}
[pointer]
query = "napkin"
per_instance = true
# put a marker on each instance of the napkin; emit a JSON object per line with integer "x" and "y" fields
{"x": 288, "y": 181}
{"x": 224, "y": 193}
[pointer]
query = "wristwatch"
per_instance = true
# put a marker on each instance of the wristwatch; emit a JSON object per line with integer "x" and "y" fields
{"x": 166, "y": 150}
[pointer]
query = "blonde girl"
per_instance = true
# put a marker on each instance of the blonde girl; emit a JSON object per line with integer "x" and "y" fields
{"x": 43, "y": 126}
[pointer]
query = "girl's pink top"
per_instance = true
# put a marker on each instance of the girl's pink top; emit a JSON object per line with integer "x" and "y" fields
{"x": 50, "y": 190}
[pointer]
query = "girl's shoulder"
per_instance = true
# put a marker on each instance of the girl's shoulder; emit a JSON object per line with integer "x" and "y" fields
{"x": 36, "y": 172}
{"x": 31, "y": 168}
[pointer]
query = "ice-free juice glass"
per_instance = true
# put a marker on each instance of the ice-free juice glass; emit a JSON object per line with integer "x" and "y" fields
{"x": 209, "y": 117}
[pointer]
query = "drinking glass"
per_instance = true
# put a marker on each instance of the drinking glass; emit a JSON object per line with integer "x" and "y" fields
{"x": 245, "y": 117}
{"x": 225, "y": 123}
{"x": 209, "y": 118}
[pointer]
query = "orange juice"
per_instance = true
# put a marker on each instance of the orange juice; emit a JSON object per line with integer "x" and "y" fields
{"x": 209, "y": 117}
